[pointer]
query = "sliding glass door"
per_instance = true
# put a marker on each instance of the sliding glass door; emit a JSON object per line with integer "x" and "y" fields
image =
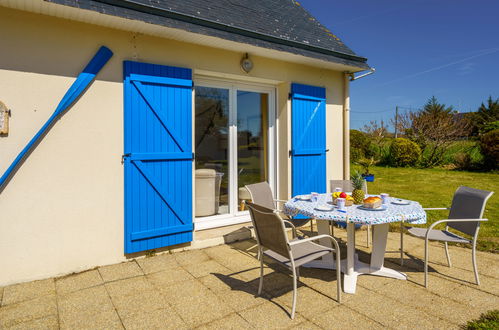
{"x": 234, "y": 144}
{"x": 252, "y": 139}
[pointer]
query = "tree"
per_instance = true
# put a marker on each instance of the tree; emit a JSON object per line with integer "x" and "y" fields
{"x": 376, "y": 131}
{"x": 487, "y": 117}
{"x": 433, "y": 128}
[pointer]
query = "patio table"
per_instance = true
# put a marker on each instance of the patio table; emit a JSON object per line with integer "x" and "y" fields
{"x": 352, "y": 267}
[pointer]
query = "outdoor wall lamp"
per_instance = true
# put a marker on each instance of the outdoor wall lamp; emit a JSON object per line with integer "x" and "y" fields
{"x": 246, "y": 64}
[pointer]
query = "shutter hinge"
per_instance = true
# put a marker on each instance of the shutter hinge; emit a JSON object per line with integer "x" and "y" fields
{"x": 123, "y": 158}
{"x": 290, "y": 96}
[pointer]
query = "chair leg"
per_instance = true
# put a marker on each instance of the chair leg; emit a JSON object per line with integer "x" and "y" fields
{"x": 401, "y": 243}
{"x": 475, "y": 268}
{"x": 338, "y": 276}
{"x": 426, "y": 263}
{"x": 311, "y": 226}
{"x": 260, "y": 284}
{"x": 294, "y": 294}
{"x": 447, "y": 254}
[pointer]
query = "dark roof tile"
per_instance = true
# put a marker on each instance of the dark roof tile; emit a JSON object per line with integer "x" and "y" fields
{"x": 277, "y": 24}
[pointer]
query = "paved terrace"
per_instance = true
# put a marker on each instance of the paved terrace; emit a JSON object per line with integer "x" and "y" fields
{"x": 215, "y": 288}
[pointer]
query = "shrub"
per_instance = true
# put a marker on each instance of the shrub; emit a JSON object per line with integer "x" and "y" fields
{"x": 488, "y": 320}
{"x": 355, "y": 155}
{"x": 404, "y": 152}
{"x": 462, "y": 161}
{"x": 359, "y": 140}
{"x": 489, "y": 144}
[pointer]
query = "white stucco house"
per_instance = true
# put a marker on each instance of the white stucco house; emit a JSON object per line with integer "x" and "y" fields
{"x": 194, "y": 100}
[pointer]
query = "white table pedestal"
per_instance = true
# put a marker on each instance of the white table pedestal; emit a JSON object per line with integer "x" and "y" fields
{"x": 351, "y": 266}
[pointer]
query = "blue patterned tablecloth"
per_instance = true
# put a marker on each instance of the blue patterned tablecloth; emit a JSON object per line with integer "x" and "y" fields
{"x": 412, "y": 213}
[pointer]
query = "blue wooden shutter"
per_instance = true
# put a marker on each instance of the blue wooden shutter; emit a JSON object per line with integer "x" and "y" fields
{"x": 158, "y": 156}
{"x": 308, "y": 139}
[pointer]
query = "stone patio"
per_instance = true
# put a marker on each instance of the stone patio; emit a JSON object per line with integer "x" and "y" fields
{"x": 215, "y": 288}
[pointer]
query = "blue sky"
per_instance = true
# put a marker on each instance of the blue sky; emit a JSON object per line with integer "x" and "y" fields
{"x": 420, "y": 48}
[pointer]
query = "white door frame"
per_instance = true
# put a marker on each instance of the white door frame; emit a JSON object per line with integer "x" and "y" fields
{"x": 234, "y": 216}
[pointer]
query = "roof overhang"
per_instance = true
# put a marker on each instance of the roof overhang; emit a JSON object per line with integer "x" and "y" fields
{"x": 91, "y": 16}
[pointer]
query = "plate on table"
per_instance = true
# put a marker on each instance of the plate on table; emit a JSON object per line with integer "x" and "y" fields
{"x": 304, "y": 197}
{"x": 324, "y": 208}
{"x": 381, "y": 208}
{"x": 398, "y": 201}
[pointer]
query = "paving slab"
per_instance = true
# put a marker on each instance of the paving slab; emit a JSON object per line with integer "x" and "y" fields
{"x": 15, "y": 314}
{"x": 431, "y": 303}
{"x": 157, "y": 263}
{"x": 233, "y": 321}
{"x": 225, "y": 281}
{"x": 195, "y": 302}
{"x": 129, "y": 286}
{"x": 137, "y": 304}
{"x": 44, "y": 323}
{"x": 166, "y": 278}
{"x": 157, "y": 319}
{"x": 241, "y": 298}
{"x": 473, "y": 298}
{"x": 103, "y": 320}
{"x": 191, "y": 257}
{"x": 78, "y": 281}
{"x": 391, "y": 313}
{"x": 309, "y": 301}
{"x": 270, "y": 316}
{"x": 25, "y": 291}
{"x": 120, "y": 271}
{"x": 342, "y": 317}
{"x": 84, "y": 304}
{"x": 204, "y": 268}
{"x": 307, "y": 325}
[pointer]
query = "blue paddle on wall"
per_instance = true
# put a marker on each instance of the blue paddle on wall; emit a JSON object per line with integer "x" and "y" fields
{"x": 84, "y": 79}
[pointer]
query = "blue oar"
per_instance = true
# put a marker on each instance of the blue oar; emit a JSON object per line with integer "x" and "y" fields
{"x": 81, "y": 83}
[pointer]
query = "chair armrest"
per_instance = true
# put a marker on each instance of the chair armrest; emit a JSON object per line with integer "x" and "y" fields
{"x": 293, "y": 228}
{"x": 435, "y": 208}
{"x": 337, "y": 247}
{"x": 449, "y": 220}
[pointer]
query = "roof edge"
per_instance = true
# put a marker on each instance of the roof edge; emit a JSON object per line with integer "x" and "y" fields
{"x": 148, "y": 9}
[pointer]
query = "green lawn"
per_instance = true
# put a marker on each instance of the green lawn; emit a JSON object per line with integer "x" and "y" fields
{"x": 435, "y": 187}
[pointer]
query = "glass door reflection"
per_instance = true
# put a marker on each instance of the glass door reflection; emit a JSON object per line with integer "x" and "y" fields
{"x": 252, "y": 140}
{"x": 212, "y": 151}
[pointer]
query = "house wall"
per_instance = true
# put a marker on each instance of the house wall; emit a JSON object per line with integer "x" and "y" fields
{"x": 62, "y": 211}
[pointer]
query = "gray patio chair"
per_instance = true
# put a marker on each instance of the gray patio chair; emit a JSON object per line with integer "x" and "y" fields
{"x": 466, "y": 211}
{"x": 346, "y": 185}
{"x": 261, "y": 194}
{"x": 271, "y": 235}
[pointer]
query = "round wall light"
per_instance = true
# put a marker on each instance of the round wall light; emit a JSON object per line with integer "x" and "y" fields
{"x": 246, "y": 64}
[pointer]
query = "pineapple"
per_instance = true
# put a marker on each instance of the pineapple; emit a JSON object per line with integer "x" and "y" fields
{"x": 357, "y": 184}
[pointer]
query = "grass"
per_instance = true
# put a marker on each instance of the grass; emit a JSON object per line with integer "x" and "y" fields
{"x": 435, "y": 188}
{"x": 489, "y": 320}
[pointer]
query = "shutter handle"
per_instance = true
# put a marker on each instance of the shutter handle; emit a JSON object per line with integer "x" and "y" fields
{"x": 327, "y": 150}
